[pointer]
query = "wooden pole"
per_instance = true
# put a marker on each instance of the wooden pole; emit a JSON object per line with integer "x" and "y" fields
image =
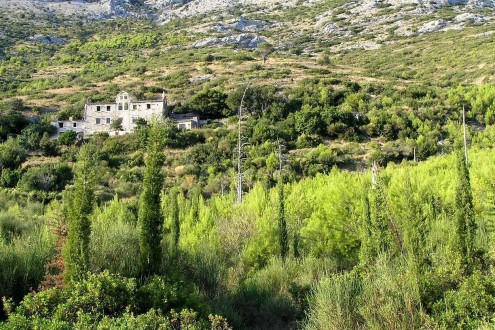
{"x": 465, "y": 134}
{"x": 239, "y": 149}
{"x": 374, "y": 174}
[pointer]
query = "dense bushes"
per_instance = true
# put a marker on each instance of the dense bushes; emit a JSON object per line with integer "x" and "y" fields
{"x": 12, "y": 154}
{"x": 25, "y": 247}
{"x": 227, "y": 259}
{"x": 12, "y": 120}
{"x": 103, "y": 300}
{"x": 209, "y": 104}
{"x": 45, "y": 179}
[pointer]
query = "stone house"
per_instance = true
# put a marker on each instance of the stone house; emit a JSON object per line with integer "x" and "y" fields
{"x": 98, "y": 117}
{"x": 186, "y": 121}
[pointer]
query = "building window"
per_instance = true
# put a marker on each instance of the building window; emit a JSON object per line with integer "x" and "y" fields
{"x": 182, "y": 126}
{"x": 148, "y": 106}
{"x": 108, "y": 108}
{"x": 98, "y": 108}
{"x": 74, "y": 124}
{"x": 60, "y": 125}
{"x": 121, "y": 97}
{"x": 126, "y": 106}
{"x": 134, "y": 107}
{"x": 108, "y": 120}
{"x": 97, "y": 121}
{"x": 120, "y": 106}
{"x": 125, "y": 97}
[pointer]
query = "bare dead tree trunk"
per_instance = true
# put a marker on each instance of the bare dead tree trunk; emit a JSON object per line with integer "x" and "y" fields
{"x": 465, "y": 134}
{"x": 239, "y": 149}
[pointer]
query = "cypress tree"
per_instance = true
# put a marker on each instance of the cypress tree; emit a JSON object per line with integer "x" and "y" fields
{"x": 464, "y": 215}
{"x": 416, "y": 225}
{"x": 282, "y": 223}
{"x": 381, "y": 237}
{"x": 367, "y": 251}
{"x": 175, "y": 218}
{"x": 295, "y": 244}
{"x": 379, "y": 230}
{"x": 150, "y": 219}
{"x": 80, "y": 203}
{"x": 195, "y": 199}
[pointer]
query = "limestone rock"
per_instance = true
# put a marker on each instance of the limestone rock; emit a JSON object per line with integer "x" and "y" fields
{"x": 49, "y": 40}
{"x": 248, "y": 40}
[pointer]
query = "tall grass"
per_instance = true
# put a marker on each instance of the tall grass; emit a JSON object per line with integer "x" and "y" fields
{"x": 386, "y": 296}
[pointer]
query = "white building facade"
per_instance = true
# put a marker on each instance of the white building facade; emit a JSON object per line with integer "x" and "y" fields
{"x": 98, "y": 117}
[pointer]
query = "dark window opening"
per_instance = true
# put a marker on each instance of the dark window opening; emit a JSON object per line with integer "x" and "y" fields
{"x": 108, "y": 108}
{"x": 98, "y": 108}
{"x": 148, "y": 106}
{"x": 60, "y": 125}
{"x": 120, "y": 106}
{"x": 108, "y": 120}
{"x": 97, "y": 120}
{"x": 74, "y": 124}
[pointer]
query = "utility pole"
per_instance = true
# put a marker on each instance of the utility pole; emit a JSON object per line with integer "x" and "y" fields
{"x": 465, "y": 135}
{"x": 281, "y": 159}
{"x": 374, "y": 174}
{"x": 239, "y": 149}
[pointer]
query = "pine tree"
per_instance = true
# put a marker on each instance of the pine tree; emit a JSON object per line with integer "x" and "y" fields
{"x": 150, "y": 219}
{"x": 464, "y": 215}
{"x": 282, "y": 223}
{"x": 80, "y": 204}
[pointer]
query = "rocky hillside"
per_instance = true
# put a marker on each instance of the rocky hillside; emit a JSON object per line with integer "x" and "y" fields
{"x": 372, "y": 12}
{"x": 55, "y": 53}
{"x": 367, "y": 24}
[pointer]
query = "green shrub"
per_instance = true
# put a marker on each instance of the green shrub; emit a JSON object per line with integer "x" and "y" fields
{"x": 9, "y": 177}
{"x": 334, "y": 302}
{"x": 23, "y": 259}
{"x": 469, "y": 306}
{"x": 45, "y": 178}
{"x": 12, "y": 154}
{"x": 67, "y": 138}
{"x": 114, "y": 243}
{"x": 109, "y": 301}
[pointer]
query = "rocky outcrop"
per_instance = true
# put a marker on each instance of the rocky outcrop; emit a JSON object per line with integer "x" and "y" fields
{"x": 244, "y": 40}
{"x": 49, "y": 40}
{"x": 385, "y": 18}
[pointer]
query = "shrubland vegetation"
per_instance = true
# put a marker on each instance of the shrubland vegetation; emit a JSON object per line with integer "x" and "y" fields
{"x": 330, "y": 251}
{"x": 143, "y": 230}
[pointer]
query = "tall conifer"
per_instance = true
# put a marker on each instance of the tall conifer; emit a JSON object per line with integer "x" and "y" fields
{"x": 464, "y": 214}
{"x": 80, "y": 203}
{"x": 416, "y": 226}
{"x": 282, "y": 222}
{"x": 175, "y": 218}
{"x": 150, "y": 219}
